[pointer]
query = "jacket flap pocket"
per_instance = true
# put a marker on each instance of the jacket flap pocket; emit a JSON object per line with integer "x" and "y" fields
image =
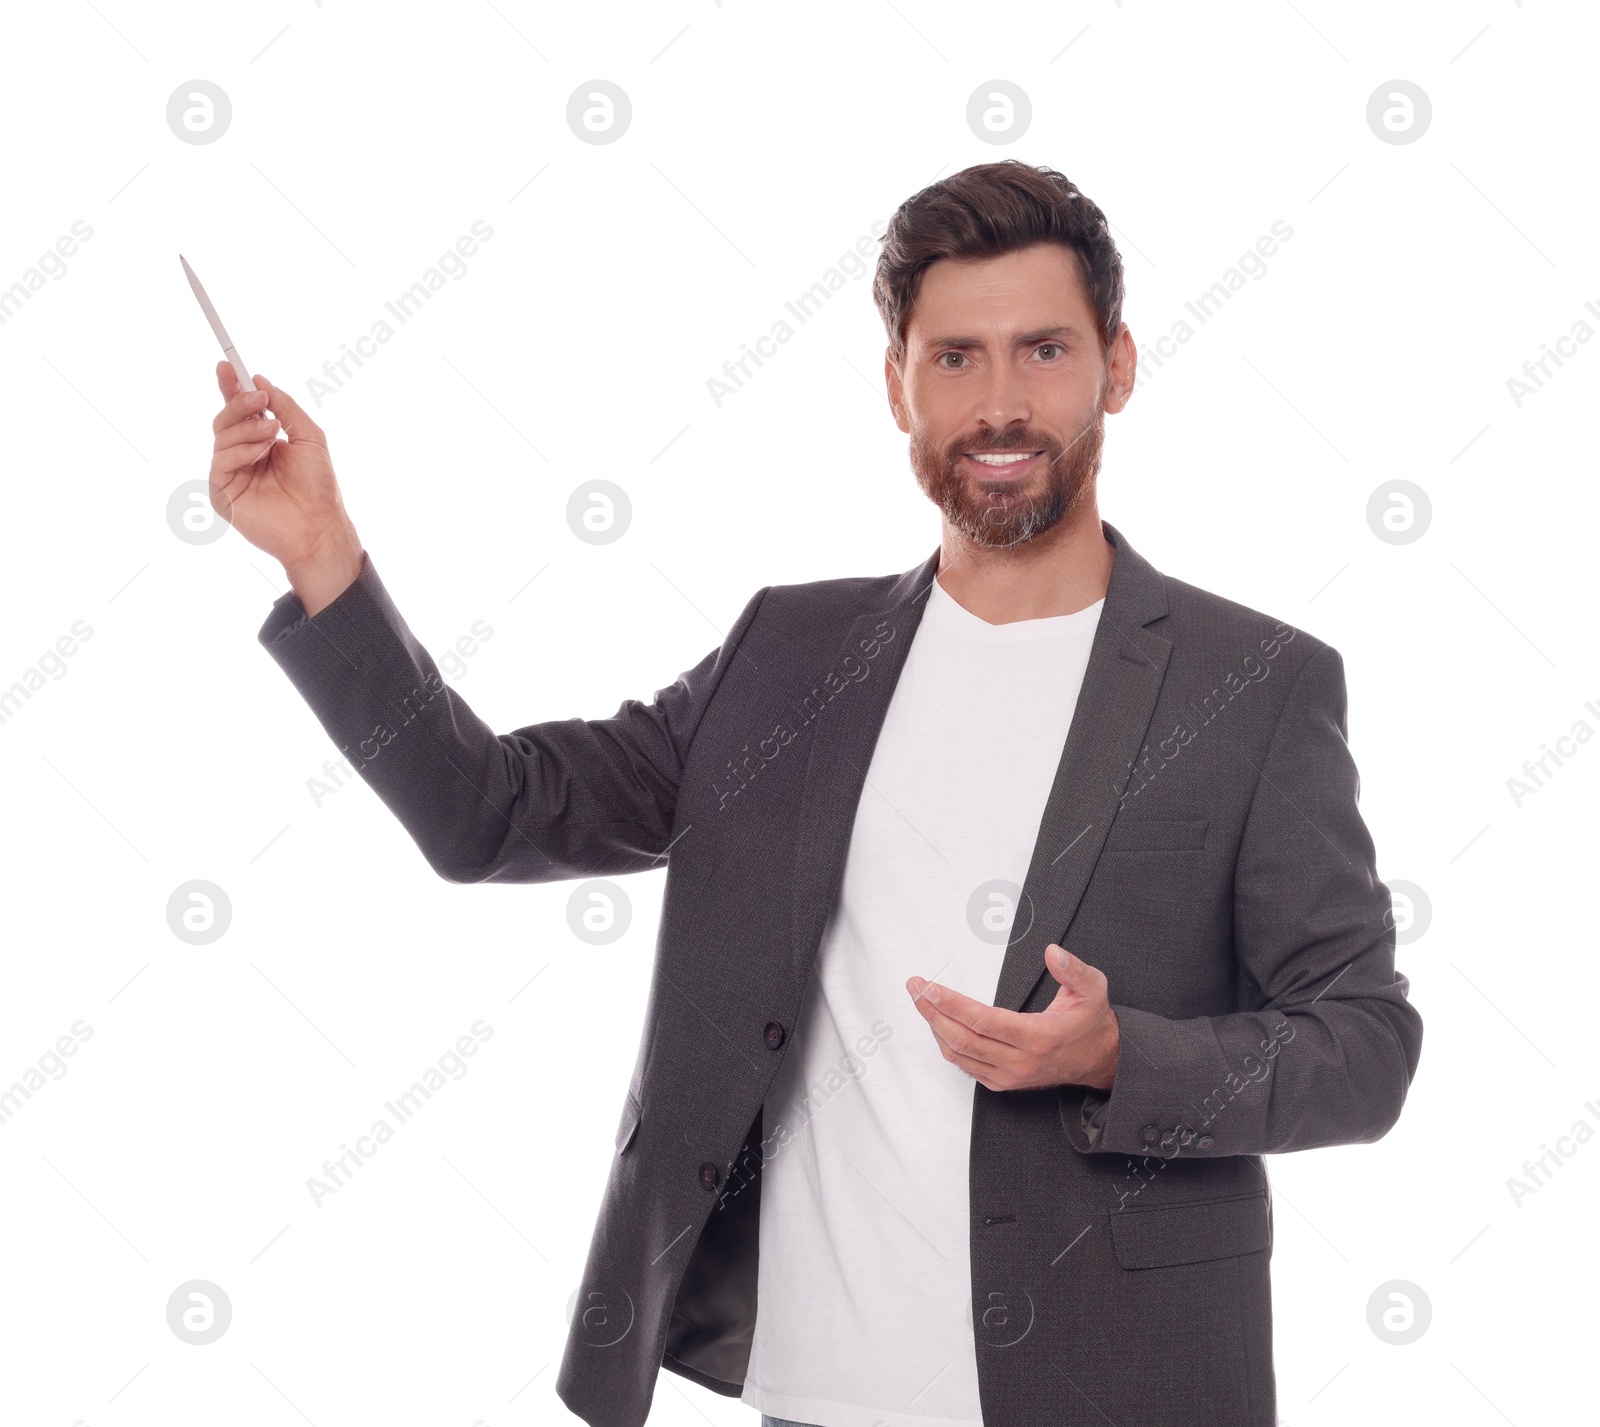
{"x": 1191, "y": 1233}
{"x": 1157, "y": 834}
{"x": 628, "y": 1124}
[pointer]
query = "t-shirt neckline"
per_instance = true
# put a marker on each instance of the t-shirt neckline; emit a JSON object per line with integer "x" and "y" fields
{"x": 951, "y": 614}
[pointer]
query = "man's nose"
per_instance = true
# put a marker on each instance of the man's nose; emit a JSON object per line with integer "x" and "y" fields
{"x": 1003, "y": 400}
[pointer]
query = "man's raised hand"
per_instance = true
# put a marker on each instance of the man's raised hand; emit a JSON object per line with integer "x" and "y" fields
{"x": 281, "y": 495}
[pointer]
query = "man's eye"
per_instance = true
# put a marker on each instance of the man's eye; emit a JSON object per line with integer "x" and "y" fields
{"x": 951, "y": 366}
{"x": 1048, "y": 347}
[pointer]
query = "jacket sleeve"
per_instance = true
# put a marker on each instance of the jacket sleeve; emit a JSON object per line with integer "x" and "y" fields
{"x": 1326, "y": 1051}
{"x": 562, "y": 799}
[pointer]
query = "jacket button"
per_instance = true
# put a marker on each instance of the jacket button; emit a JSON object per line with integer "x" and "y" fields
{"x": 1185, "y": 1136}
{"x": 1150, "y": 1134}
{"x": 1205, "y": 1142}
{"x": 709, "y": 1175}
{"x": 774, "y": 1034}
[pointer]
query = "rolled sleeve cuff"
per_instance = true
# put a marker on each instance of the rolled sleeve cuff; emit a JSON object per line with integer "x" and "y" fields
{"x": 1172, "y": 1077}
{"x": 288, "y": 616}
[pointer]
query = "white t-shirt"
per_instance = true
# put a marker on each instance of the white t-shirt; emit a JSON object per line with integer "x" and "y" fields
{"x": 864, "y": 1290}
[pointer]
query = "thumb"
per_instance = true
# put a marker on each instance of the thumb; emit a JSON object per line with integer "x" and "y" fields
{"x": 297, "y": 425}
{"x": 1064, "y": 966}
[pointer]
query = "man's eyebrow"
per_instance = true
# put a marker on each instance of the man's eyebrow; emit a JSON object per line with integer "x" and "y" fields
{"x": 1023, "y": 339}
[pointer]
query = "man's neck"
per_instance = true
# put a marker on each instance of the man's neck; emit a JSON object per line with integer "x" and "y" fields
{"x": 1060, "y": 572}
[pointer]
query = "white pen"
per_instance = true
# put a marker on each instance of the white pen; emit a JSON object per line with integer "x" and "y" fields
{"x": 228, "y": 349}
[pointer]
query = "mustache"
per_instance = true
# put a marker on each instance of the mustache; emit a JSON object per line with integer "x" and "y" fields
{"x": 1016, "y": 441}
{"x": 1001, "y": 441}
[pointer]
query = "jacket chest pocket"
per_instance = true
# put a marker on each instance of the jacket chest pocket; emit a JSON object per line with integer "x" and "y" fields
{"x": 1157, "y": 835}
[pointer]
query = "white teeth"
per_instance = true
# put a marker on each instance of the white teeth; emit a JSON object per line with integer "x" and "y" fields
{"x": 1007, "y": 458}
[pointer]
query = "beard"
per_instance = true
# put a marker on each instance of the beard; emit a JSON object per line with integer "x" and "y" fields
{"x": 1001, "y": 513}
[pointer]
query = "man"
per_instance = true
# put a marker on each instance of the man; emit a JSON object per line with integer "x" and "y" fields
{"x": 1016, "y": 905}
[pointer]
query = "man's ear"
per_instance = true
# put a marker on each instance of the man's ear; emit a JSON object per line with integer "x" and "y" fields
{"x": 1121, "y": 369}
{"x": 897, "y": 393}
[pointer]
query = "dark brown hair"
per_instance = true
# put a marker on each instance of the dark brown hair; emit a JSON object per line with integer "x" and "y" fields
{"x": 986, "y": 211}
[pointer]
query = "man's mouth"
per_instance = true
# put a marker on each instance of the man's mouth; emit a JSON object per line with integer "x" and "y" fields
{"x": 1002, "y": 463}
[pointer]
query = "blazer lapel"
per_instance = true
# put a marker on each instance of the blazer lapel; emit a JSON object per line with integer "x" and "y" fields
{"x": 1127, "y": 664}
{"x": 841, "y": 748}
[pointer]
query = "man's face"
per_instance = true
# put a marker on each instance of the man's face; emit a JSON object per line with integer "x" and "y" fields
{"x": 1004, "y": 389}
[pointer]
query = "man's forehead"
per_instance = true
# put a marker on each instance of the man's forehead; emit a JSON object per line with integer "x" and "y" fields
{"x": 1017, "y": 293}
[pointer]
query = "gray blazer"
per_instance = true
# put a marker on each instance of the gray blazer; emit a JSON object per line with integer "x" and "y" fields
{"x": 1201, "y": 845}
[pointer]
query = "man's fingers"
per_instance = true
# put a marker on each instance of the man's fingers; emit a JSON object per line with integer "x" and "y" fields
{"x": 240, "y": 405}
{"x": 987, "y": 1020}
{"x": 956, "y": 1042}
{"x": 1075, "y": 975}
{"x": 957, "y": 1036}
{"x": 296, "y": 423}
{"x": 990, "y": 1076}
{"x": 233, "y": 458}
{"x": 251, "y": 431}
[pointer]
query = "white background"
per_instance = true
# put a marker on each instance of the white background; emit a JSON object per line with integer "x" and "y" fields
{"x": 765, "y": 140}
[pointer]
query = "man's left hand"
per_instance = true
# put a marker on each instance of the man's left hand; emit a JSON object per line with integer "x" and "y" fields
{"x": 1073, "y": 1041}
